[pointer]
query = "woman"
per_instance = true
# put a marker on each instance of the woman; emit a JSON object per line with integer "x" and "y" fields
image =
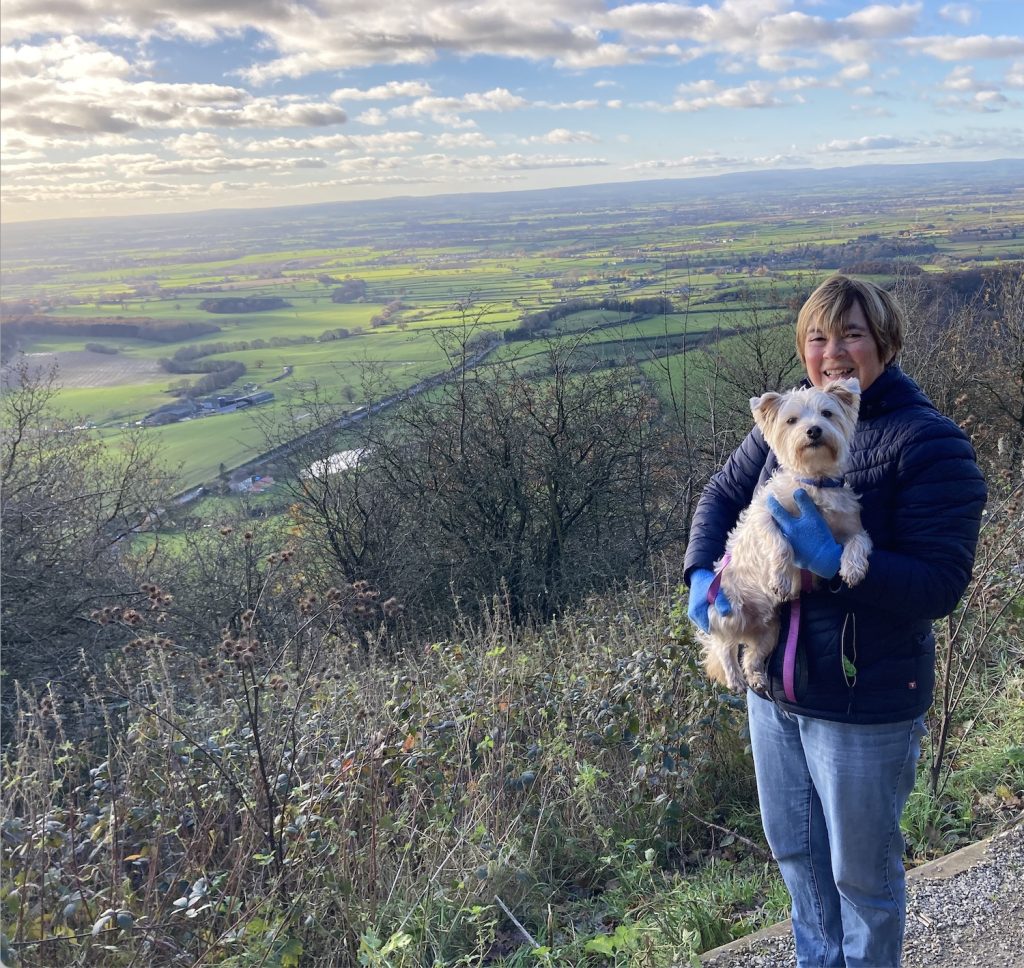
{"x": 835, "y": 767}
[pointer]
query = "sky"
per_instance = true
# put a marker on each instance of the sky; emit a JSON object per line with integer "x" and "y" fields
{"x": 122, "y": 107}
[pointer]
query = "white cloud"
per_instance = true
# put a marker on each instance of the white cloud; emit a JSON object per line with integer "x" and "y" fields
{"x": 604, "y": 55}
{"x": 879, "y": 20}
{"x": 961, "y": 79}
{"x": 300, "y": 39}
{"x": 198, "y": 144}
{"x": 383, "y": 92}
{"x": 584, "y": 104}
{"x": 562, "y": 136}
{"x": 779, "y": 63}
{"x": 467, "y": 139}
{"x": 76, "y": 89}
{"x": 1015, "y": 75}
{"x": 375, "y": 117}
{"x": 879, "y": 142}
{"x": 448, "y": 111}
{"x": 755, "y": 94}
{"x": 967, "y": 140}
{"x": 800, "y": 83}
{"x": 709, "y": 160}
{"x": 511, "y": 162}
{"x": 959, "y": 13}
{"x": 979, "y": 46}
{"x": 855, "y": 72}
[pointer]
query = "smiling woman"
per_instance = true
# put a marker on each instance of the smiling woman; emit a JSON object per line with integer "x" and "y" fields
{"x": 848, "y": 329}
{"x": 847, "y": 692}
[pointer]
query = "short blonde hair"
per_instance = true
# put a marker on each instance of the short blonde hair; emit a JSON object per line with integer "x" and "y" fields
{"x": 828, "y": 305}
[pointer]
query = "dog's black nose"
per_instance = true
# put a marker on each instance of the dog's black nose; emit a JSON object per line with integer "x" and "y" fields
{"x": 814, "y": 432}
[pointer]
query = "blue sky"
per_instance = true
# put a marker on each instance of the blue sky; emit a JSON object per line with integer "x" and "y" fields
{"x": 117, "y": 107}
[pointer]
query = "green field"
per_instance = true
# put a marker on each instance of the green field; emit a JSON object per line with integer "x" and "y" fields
{"x": 453, "y": 275}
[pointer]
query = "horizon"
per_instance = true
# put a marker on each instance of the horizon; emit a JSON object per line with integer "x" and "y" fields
{"x": 472, "y": 193}
{"x": 142, "y": 111}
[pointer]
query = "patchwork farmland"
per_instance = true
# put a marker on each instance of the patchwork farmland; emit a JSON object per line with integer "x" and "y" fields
{"x": 430, "y": 272}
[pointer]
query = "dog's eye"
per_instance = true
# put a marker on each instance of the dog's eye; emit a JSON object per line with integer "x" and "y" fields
{"x": 826, "y": 413}
{"x": 791, "y": 420}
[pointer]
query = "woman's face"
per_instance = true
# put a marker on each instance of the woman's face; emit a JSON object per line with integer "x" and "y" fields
{"x": 853, "y": 353}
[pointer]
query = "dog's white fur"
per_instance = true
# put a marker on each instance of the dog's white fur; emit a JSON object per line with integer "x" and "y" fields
{"x": 810, "y": 432}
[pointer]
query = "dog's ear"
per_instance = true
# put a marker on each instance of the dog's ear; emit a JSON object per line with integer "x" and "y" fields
{"x": 765, "y": 409}
{"x": 847, "y": 392}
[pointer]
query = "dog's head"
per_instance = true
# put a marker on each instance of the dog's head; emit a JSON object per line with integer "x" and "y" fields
{"x": 810, "y": 430}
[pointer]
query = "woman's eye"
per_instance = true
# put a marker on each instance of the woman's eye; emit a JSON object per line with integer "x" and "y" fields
{"x": 827, "y": 413}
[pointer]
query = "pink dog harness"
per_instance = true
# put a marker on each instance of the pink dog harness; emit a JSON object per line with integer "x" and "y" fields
{"x": 792, "y": 633}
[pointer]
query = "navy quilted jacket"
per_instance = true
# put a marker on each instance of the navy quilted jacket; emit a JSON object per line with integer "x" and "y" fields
{"x": 922, "y": 495}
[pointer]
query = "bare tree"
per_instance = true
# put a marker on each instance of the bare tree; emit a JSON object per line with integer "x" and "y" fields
{"x": 539, "y": 483}
{"x": 70, "y": 506}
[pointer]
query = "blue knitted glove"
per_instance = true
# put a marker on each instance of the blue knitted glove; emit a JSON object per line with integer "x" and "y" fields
{"x": 697, "y": 610}
{"x": 814, "y": 548}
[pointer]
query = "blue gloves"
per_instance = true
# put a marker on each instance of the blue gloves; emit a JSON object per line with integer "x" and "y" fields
{"x": 697, "y": 610}
{"x": 814, "y": 548}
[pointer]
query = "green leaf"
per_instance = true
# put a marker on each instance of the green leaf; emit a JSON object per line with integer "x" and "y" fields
{"x": 396, "y": 942}
{"x": 601, "y": 945}
{"x": 291, "y": 953}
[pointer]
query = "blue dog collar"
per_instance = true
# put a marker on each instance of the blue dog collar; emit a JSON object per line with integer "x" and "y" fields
{"x": 822, "y": 481}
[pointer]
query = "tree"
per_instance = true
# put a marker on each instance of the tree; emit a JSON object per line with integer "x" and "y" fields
{"x": 758, "y": 354}
{"x": 539, "y": 485}
{"x": 965, "y": 346}
{"x": 70, "y": 504}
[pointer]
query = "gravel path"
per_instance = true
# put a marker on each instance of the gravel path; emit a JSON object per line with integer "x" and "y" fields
{"x": 964, "y": 911}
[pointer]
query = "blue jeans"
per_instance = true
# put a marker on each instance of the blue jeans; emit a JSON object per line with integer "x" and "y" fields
{"x": 831, "y": 798}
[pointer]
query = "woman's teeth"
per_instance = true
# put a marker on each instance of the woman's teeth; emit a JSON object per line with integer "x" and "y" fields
{"x": 838, "y": 374}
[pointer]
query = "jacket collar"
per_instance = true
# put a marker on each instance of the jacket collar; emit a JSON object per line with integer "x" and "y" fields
{"x": 892, "y": 390}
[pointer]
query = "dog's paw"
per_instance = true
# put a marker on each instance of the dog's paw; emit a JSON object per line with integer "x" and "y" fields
{"x": 782, "y": 587}
{"x": 735, "y": 681}
{"x": 758, "y": 683}
{"x": 852, "y": 575}
{"x": 853, "y": 565}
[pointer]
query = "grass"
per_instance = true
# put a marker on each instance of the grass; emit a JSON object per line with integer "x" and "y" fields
{"x": 581, "y": 776}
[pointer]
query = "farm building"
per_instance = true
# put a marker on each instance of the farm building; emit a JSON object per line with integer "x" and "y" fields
{"x": 171, "y": 413}
{"x": 253, "y": 399}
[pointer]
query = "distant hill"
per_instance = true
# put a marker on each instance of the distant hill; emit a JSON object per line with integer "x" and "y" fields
{"x": 427, "y": 219}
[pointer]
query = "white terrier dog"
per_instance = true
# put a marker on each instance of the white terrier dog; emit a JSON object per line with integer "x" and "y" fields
{"x": 810, "y": 432}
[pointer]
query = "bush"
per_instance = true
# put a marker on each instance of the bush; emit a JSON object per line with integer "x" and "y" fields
{"x": 286, "y": 794}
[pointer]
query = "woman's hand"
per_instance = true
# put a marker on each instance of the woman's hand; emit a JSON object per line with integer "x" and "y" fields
{"x": 697, "y": 610}
{"x": 814, "y": 548}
